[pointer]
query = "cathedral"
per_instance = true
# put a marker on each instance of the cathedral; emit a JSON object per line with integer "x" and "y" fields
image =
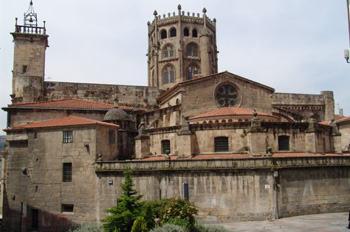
{"x": 228, "y": 142}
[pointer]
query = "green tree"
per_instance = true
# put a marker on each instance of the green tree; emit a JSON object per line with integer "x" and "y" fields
{"x": 128, "y": 207}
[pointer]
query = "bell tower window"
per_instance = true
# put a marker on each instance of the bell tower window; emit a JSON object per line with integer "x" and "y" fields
{"x": 169, "y": 74}
{"x": 192, "y": 72}
{"x": 186, "y": 32}
{"x": 173, "y": 32}
{"x": 194, "y": 33}
{"x": 168, "y": 51}
{"x": 163, "y": 34}
{"x": 192, "y": 50}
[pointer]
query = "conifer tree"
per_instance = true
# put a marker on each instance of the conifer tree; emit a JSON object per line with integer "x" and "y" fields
{"x": 128, "y": 207}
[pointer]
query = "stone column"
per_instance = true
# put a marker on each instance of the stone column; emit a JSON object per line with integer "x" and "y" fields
{"x": 256, "y": 137}
{"x": 184, "y": 139}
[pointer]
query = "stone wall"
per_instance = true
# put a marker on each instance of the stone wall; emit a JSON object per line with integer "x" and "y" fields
{"x": 239, "y": 190}
{"x": 137, "y": 96}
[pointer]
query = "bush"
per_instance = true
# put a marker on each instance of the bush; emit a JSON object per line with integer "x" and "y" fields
{"x": 169, "y": 228}
{"x": 140, "y": 225}
{"x": 87, "y": 228}
{"x": 180, "y": 222}
{"x": 176, "y": 209}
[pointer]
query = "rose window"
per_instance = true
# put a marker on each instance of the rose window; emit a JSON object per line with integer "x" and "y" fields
{"x": 226, "y": 96}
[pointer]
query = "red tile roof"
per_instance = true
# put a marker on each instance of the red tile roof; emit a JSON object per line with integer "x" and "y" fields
{"x": 342, "y": 119}
{"x": 229, "y": 111}
{"x": 62, "y": 122}
{"x": 242, "y": 156}
{"x": 71, "y": 103}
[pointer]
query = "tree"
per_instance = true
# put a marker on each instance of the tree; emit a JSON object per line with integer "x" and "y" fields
{"x": 128, "y": 207}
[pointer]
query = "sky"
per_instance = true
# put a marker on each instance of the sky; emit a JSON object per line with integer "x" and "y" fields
{"x": 293, "y": 46}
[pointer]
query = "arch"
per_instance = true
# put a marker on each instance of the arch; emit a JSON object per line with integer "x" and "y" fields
{"x": 173, "y": 32}
{"x": 168, "y": 51}
{"x": 192, "y": 71}
{"x": 163, "y": 34}
{"x": 186, "y": 32}
{"x": 192, "y": 50}
{"x": 168, "y": 74}
{"x": 194, "y": 33}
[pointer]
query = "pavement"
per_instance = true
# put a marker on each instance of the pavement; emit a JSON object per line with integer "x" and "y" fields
{"x": 331, "y": 222}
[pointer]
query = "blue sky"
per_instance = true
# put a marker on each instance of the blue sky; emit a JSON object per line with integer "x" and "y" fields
{"x": 294, "y": 46}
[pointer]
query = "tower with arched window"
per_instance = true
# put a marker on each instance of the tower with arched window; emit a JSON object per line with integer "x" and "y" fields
{"x": 180, "y": 47}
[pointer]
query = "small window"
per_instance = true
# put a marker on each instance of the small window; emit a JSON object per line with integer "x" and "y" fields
{"x": 35, "y": 135}
{"x": 166, "y": 76}
{"x": 186, "y": 32}
{"x": 35, "y": 219}
{"x": 192, "y": 50}
{"x": 172, "y": 75}
{"x": 24, "y": 68}
{"x": 67, "y": 208}
{"x": 194, "y": 33}
{"x": 111, "y": 136}
{"x": 165, "y": 146}
{"x": 163, "y": 34}
{"x": 192, "y": 72}
{"x": 173, "y": 32}
{"x": 283, "y": 143}
{"x": 221, "y": 144}
{"x": 169, "y": 75}
{"x": 67, "y": 172}
{"x": 67, "y": 136}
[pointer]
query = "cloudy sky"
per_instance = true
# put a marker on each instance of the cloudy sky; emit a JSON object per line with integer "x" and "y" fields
{"x": 294, "y": 46}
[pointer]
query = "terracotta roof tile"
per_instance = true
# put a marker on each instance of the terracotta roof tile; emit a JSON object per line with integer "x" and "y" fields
{"x": 62, "y": 122}
{"x": 342, "y": 119}
{"x": 229, "y": 111}
{"x": 72, "y": 103}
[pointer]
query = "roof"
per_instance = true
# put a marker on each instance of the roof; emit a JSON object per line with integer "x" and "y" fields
{"x": 229, "y": 111}
{"x": 70, "y": 103}
{"x": 339, "y": 120}
{"x": 200, "y": 78}
{"x": 62, "y": 122}
{"x": 241, "y": 156}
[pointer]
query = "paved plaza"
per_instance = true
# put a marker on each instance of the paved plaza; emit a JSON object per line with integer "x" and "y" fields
{"x": 331, "y": 222}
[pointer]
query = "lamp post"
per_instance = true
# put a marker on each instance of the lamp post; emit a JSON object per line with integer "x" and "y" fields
{"x": 346, "y": 51}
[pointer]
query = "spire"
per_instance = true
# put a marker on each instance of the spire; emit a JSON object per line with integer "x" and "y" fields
{"x": 30, "y": 17}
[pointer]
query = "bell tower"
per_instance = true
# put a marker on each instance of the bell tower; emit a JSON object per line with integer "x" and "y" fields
{"x": 30, "y": 43}
{"x": 180, "y": 47}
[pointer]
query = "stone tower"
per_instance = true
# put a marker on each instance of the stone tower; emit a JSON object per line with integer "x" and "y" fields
{"x": 180, "y": 47}
{"x": 31, "y": 42}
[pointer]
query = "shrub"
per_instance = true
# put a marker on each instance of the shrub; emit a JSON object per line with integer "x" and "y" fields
{"x": 169, "y": 228}
{"x": 179, "y": 209}
{"x": 180, "y": 222}
{"x": 140, "y": 225}
{"x": 87, "y": 228}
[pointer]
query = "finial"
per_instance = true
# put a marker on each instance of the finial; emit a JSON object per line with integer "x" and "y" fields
{"x": 204, "y": 10}
{"x": 31, "y": 2}
{"x": 155, "y": 13}
{"x": 16, "y": 21}
{"x": 148, "y": 23}
{"x": 214, "y": 20}
{"x": 116, "y": 103}
{"x": 255, "y": 113}
{"x": 179, "y": 7}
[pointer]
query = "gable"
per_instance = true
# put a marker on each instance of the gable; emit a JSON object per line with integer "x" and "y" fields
{"x": 211, "y": 92}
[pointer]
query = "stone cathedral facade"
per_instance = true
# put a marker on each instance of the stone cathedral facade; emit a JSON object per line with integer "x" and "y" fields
{"x": 244, "y": 151}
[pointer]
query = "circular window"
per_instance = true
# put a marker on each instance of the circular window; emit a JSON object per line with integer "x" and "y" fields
{"x": 226, "y": 95}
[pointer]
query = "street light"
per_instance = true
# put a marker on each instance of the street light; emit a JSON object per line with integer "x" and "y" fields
{"x": 346, "y": 51}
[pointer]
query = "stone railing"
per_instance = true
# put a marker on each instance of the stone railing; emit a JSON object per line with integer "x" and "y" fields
{"x": 224, "y": 164}
{"x": 30, "y": 30}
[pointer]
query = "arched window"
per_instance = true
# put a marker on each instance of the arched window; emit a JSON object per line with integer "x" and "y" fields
{"x": 173, "y": 32}
{"x": 192, "y": 72}
{"x": 186, "y": 32}
{"x": 168, "y": 51}
{"x": 192, "y": 50}
{"x": 194, "y": 33}
{"x": 221, "y": 144}
{"x": 283, "y": 143}
{"x": 163, "y": 34}
{"x": 169, "y": 74}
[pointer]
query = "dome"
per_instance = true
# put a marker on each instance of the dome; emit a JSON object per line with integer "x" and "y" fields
{"x": 116, "y": 114}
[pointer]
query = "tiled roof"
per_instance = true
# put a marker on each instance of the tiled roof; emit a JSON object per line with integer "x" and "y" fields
{"x": 342, "y": 119}
{"x": 242, "y": 156}
{"x": 71, "y": 103}
{"x": 62, "y": 122}
{"x": 229, "y": 111}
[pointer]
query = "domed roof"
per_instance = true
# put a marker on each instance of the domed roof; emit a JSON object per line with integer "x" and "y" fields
{"x": 116, "y": 114}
